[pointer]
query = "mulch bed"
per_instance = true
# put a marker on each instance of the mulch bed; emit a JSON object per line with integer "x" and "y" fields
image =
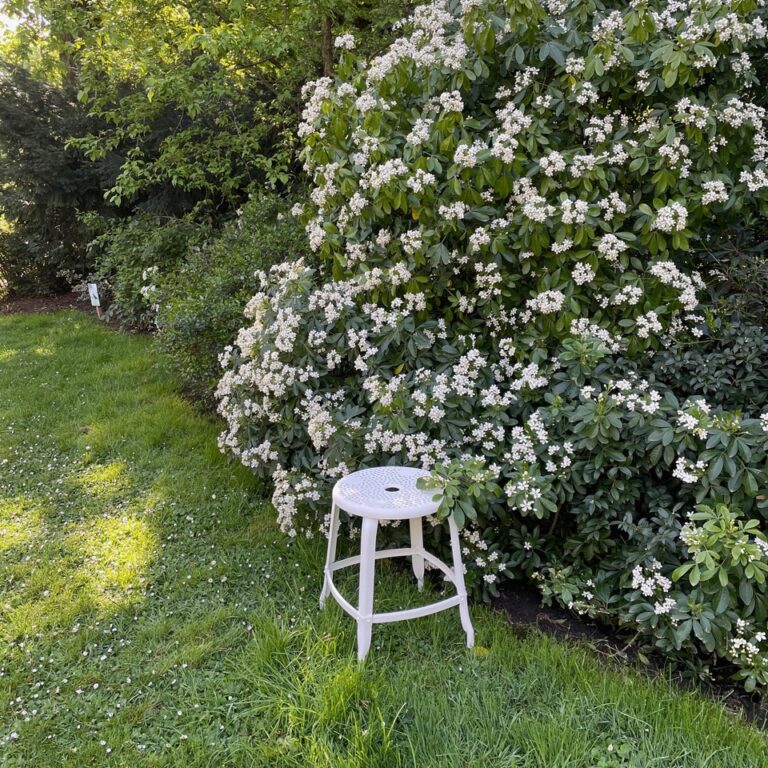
{"x": 52, "y": 303}
{"x": 55, "y": 303}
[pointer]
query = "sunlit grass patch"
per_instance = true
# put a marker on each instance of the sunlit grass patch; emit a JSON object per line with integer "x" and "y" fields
{"x": 20, "y": 521}
{"x": 113, "y": 552}
{"x": 103, "y": 480}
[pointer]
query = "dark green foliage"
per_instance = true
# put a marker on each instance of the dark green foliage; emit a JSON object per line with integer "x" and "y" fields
{"x": 736, "y": 269}
{"x": 43, "y": 184}
{"x": 727, "y": 366}
{"x": 201, "y": 304}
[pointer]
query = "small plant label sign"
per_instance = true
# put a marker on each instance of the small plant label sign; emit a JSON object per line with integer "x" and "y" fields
{"x": 93, "y": 293}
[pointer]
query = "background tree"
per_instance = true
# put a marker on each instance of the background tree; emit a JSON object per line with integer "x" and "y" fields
{"x": 191, "y": 107}
{"x": 43, "y": 183}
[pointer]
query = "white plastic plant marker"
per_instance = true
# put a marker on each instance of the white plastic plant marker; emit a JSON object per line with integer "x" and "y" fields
{"x": 93, "y": 295}
{"x": 389, "y": 493}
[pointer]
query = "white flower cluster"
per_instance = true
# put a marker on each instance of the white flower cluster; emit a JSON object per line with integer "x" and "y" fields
{"x": 420, "y": 132}
{"x": 626, "y": 295}
{"x": 148, "y": 289}
{"x": 378, "y": 176}
{"x": 547, "y": 302}
{"x": 574, "y": 211}
{"x": 533, "y": 205}
{"x": 611, "y": 247}
{"x": 451, "y": 101}
{"x": 316, "y": 93}
{"x": 695, "y": 418}
{"x": 582, "y": 274}
{"x": 504, "y": 139}
{"x": 315, "y": 411}
{"x": 648, "y": 324}
{"x": 525, "y": 489}
{"x": 453, "y": 211}
{"x": 465, "y": 155}
{"x": 687, "y": 286}
{"x": 671, "y": 218}
{"x": 347, "y": 42}
{"x": 714, "y": 192}
{"x": 291, "y": 489}
{"x": 612, "y": 206}
{"x": 421, "y": 180}
{"x": 690, "y": 113}
{"x": 653, "y": 584}
{"x": 689, "y": 471}
{"x": 585, "y": 329}
{"x": 552, "y": 163}
{"x": 477, "y": 551}
{"x": 747, "y": 650}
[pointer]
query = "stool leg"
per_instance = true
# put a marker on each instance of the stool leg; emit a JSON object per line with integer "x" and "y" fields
{"x": 367, "y": 572}
{"x": 333, "y": 534}
{"x": 417, "y": 542}
{"x": 458, "y": 575}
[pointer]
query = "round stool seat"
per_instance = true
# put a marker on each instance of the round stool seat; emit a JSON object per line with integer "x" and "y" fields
{"x": 387, "y": 493}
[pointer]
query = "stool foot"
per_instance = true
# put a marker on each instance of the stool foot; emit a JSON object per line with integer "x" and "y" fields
{"x": 365, "y": 598}
{"x": 333, "y": 535}
{"x": 466, "y": 623}
{"x": 417, "y": 542}
{"x": 458, "y": 575}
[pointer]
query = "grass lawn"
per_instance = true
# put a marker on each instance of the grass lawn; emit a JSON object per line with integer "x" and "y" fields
{"x": 152, "y": 615}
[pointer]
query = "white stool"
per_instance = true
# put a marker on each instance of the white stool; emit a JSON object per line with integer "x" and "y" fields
{"x": 389, "y": 493}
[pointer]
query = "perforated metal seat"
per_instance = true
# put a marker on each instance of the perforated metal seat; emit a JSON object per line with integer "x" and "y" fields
{"x": 389, "y": 493}
{"x": 389, "y": 490}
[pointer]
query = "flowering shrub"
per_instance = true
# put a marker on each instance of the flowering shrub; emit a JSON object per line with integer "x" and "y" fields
{"x": 506, "y": 212}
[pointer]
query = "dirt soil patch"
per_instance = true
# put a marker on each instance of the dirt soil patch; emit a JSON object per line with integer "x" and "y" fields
{"x": 51, "y": 303}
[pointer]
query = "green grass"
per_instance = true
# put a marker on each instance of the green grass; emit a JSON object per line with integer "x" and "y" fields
{"x": 152, "y": 615}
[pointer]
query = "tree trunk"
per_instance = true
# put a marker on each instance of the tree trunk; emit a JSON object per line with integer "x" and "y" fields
{"x": 326, "y": 45}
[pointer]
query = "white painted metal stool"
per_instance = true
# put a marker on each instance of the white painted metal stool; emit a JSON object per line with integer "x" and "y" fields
{"x": 389, "y": 493}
